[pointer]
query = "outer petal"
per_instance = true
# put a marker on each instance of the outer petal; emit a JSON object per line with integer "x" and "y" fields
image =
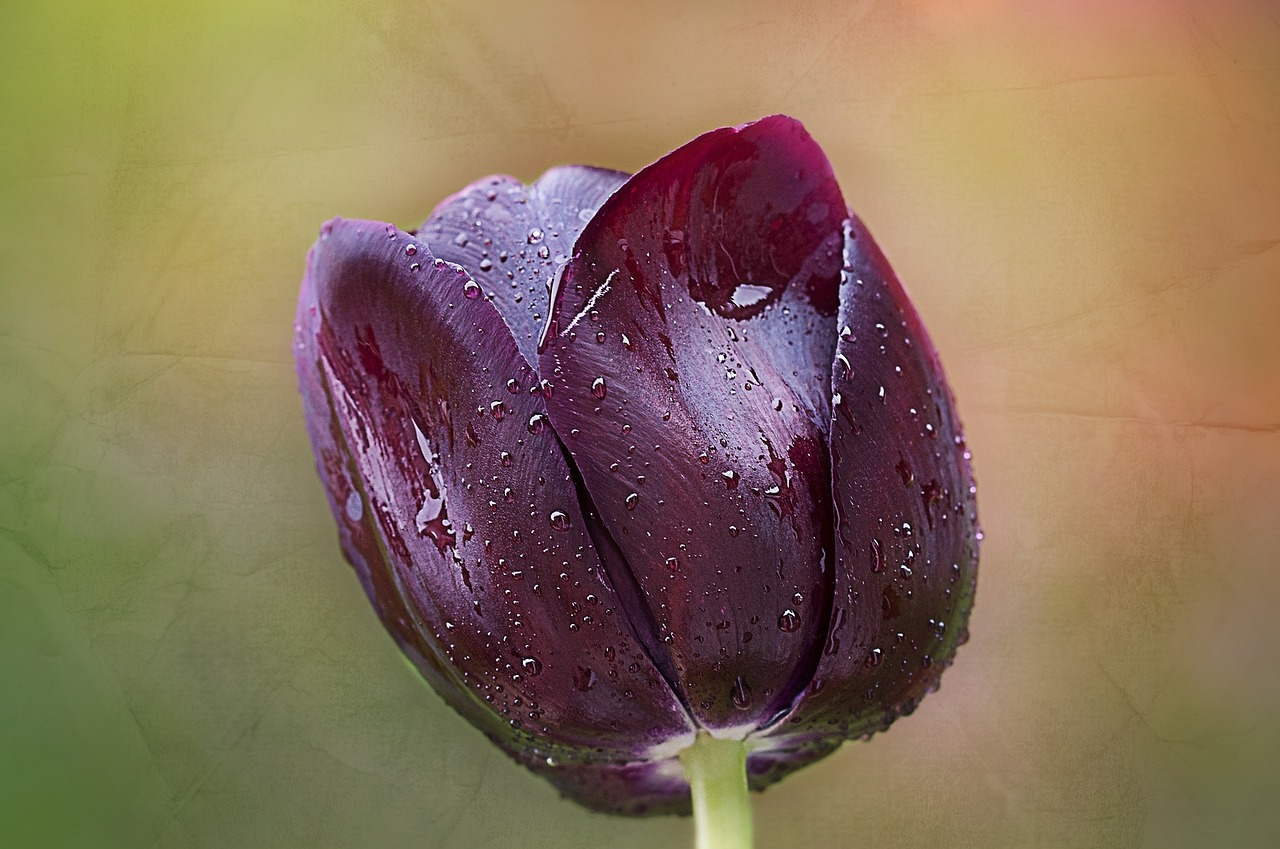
{"x": 462, "y": 519}
{"x": 689, "y": 345}
{"x": 906, "y": 530}
{"x": 513, "y": 238}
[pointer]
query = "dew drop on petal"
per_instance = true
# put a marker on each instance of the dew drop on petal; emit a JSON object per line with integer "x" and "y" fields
{"x": 559, "y": 520}
{"x": 788, "y": 621}
{"x": 354, "y": 506}
{"x": 531, "y": 665}
{"x": 598, "y": 388}
{"x": 740, "y": 692}
{"x": 584, "y": 678}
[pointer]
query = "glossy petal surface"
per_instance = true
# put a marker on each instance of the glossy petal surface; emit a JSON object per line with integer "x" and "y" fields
{"x": 460, "y": 516}
{"x": 513, "y": 238}
{"x": 906, "y": 530}
{"x": 689, "y": 345}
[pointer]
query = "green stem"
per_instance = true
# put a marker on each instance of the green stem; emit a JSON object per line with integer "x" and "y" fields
{"x": 717, "y": 774}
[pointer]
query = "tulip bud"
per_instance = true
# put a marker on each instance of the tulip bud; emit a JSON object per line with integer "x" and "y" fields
{"x": 621, "y": 460}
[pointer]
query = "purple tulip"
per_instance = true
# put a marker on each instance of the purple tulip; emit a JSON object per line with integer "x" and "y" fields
{"x": 620, "y": 460}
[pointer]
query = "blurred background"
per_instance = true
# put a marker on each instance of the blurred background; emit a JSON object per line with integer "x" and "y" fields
{"x": 1083, "y": 199}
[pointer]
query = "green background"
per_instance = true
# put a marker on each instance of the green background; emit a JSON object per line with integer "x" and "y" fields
{"x": 1084, "y": 200}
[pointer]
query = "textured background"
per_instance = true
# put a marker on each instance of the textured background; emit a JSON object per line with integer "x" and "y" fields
{"x": 1084, "y": 199}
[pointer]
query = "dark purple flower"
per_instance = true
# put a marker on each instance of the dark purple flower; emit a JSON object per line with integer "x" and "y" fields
{"x": 621, "y": 459}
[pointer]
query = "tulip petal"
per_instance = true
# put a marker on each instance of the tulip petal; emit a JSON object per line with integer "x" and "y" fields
{"x": 512, "y": 238}
{"x": 641, "y": 788}
{"x": 689, "y": 346}
{"x": 458, "y": 509}
{"x": 906, "y": 527}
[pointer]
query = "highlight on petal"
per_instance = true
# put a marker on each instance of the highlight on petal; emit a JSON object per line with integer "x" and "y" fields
{"x": 513, "y": 238}
{"x": 689, "y": 347}
{"x": 458, "y": 510}
{"x": 906, "y": 542}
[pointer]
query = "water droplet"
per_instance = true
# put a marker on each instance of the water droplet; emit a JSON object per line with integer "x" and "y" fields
{"x": 410, "y": 249}
{"x": 740, "y": 692}
{"x": 497, "y": 409}
{"x": 874, "y": 658}
{"x": 505, "y": 458}
{"x": 513, "y": 386}
{"x": 626, "y": 342}
{"x": 486, "y": 264}
{"x": 731, "y": 479}
{"x": 598, "y": 388}
{"x": 544, "y": 252}
{"x": 904, "y": 471}
{"x": 843, "y": 367}
{"x": 673, "y": 564}
{"x": 733, "y": 530}
{"x": 355, "y": 506}
{"x": 877, "y": 556}
{"x": 559, "y": 520}
{"x": 584, "y": 678}
{"x": 532, "y": 665}
{"x": 535, "y": 236}
{"x": 788, "y": 621}
{"x": 846, "y": 333}
{"x": 471, "y": 290}
{"x": 630, "y": 500}
{"x": 460, "y": 240}
{"x": 545, "y": 387}
{"x": 537, "y": 423}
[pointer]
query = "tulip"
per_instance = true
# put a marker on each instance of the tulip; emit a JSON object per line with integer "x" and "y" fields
{"x": 657, "y": 478}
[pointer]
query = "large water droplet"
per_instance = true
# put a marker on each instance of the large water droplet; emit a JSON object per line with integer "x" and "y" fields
{"x": 740, "y": 692}
{"x": 598, "y": 388}
{"x": 630, "y": 500}
{"x": 584, "y": 678}
{"x": 788, "y": 621}
{"x": 471, "y": 290}
{"x": 354, "y": 506}
{"x": 537, "y": 423}
{"x": 535, "y": 236}
{"x": 559, "y": 520}
{"x": 730, "y": 478}
{"x": 531, "y": 665}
